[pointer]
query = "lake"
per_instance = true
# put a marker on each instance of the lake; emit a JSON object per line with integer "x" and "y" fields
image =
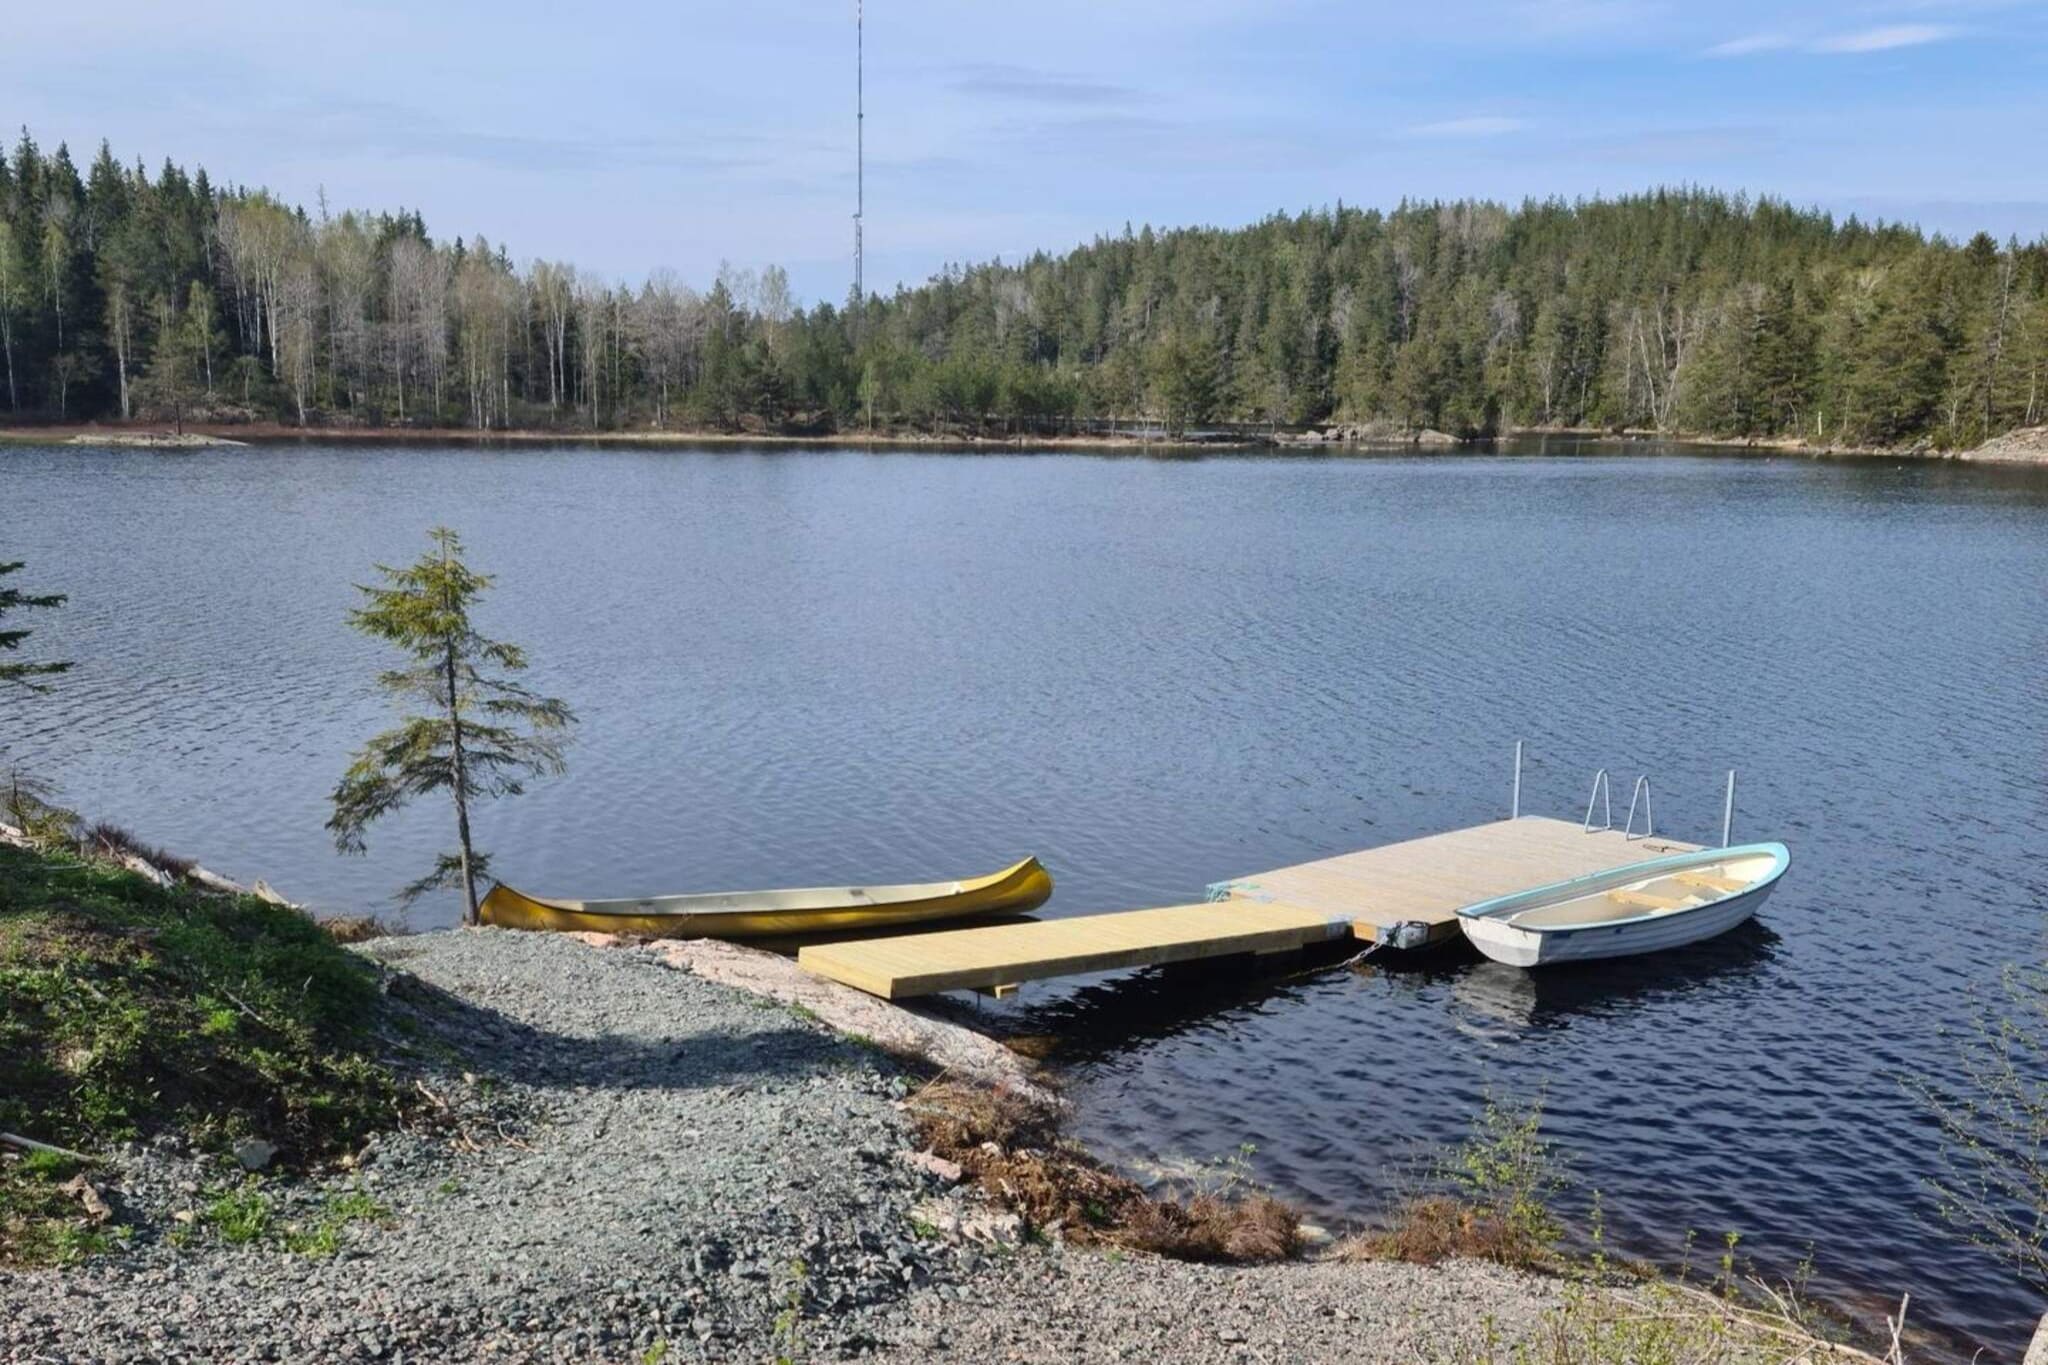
{"x": 818, "y": 666}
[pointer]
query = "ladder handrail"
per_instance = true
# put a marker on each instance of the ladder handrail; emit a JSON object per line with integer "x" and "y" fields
{"x": 1601, "y": 788}
{"x": 1515, "y": 802}
{"x": 1642, "y": 791}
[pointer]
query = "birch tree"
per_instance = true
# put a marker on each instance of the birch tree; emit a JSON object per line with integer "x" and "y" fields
{"x": 554, "y": 297}
{"x": 297, "y": 329}
{"x": 348, "y": 276}
{"x": 121, "y": 332}
{"x": 407, "y": 270}
{"x": 13, "y": 299}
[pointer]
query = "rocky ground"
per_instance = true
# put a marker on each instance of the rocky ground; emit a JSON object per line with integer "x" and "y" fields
{"x": 1081, "y": 1305}
{"x": 639, "y": 1165}
{"x": 2028, "y": 445}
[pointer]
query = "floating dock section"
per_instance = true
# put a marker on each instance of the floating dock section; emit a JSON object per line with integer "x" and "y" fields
{"x": 1406, "y": 894}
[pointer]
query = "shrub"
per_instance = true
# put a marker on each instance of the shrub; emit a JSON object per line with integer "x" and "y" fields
{"x": 1994, "y": 1125}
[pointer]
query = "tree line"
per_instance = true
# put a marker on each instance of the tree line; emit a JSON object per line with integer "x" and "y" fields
{"x": 132, "y": 296}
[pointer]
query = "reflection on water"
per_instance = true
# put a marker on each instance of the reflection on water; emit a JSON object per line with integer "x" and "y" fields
{"x": 1500, "y": 1002}
{"x": 835, "y": 667}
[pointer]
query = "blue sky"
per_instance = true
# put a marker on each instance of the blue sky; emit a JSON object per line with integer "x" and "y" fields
{"x": 642, "y": 133}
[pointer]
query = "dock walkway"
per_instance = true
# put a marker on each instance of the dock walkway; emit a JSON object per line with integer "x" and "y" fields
{"x": 1407, "y": 894}
{"x": 1426, "y": 881}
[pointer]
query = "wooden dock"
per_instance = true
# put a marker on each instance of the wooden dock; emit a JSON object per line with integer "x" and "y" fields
{"x": 1405, "y": 894}
{"x": 1386, "y": 891}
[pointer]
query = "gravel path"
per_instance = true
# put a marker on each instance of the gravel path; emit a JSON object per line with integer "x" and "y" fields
{"x": 685, "y": 1147}
{"x": 664, "y": 1165}
{"x": 1086, "y": 1306}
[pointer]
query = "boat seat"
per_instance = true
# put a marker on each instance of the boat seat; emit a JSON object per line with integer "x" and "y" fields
{"x": 1643, "y": 900}
{"x": 1599, "y": 909}
{"x": 1583, "y": 911}
{"x": 1711, "y": 881}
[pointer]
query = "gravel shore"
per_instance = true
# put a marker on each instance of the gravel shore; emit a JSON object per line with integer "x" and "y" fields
{"x": 654, "y": 1167}
{"x": 1084, "y": 1305}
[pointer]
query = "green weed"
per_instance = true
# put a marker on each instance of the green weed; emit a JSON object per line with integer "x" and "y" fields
{"x": 239, "y": 1215}
{"x": 322, "y": 1236}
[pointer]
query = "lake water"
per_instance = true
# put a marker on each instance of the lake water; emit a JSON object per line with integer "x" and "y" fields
{"x": 831, "y": 666}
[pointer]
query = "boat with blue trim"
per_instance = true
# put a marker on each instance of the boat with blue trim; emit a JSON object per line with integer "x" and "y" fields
{"x": 1646, "y": 907}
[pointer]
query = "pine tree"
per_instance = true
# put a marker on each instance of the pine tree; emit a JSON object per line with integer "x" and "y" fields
{"x": 14, "y": 599}
{"x": 478, "y": 734}
{"x": 1185, "y": 366}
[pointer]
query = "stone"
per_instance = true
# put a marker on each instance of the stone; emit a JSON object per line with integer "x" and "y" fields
{"x": 993, "y": 1229}
{"x": 931, "y": 1163}
{"x": 254, "y": 1154}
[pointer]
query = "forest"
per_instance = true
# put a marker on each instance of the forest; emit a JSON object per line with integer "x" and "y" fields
{"x": 132, "y": 296}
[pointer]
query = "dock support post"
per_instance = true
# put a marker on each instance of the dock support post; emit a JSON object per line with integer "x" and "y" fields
{"x": 1515, "y": 806}
{"x": 1728, "y": 811}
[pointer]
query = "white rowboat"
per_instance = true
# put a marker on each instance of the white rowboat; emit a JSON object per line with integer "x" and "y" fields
{"x": 1642, "y": 908}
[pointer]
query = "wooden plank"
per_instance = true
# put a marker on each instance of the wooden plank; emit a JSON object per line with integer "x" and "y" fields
{"x": 1001, "y": 955}
{"x": 1425, "y": 881}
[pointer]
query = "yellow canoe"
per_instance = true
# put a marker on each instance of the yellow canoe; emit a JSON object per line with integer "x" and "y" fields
{"x": 757, "y": 914}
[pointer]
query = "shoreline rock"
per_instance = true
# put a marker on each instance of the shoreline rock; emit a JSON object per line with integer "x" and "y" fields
{"x": 2028, "y": 445}
{"x": 154, "y": 440}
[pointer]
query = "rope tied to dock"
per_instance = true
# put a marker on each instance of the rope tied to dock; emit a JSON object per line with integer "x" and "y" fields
{"x": 1352, "y": 961}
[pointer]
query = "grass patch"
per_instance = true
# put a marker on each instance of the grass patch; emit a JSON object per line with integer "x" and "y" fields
{"x": 129, "y": 1009}
{"x": 1662, "y": 1323}
{"x": 44, "y": 1211}
{"x": 322, "y": 1236}
{"x": 1488, "y": 1199}
{"x": 239, "y": 1215}
{"x": 246, "y": 1213}
{"x": 1013, "y": 1150}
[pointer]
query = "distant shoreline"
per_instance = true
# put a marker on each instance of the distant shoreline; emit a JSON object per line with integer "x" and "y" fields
{"x": 2025, "y": 448}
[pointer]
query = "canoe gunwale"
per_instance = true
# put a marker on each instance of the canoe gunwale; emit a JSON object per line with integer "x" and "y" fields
{"x": 1497, "y": 909}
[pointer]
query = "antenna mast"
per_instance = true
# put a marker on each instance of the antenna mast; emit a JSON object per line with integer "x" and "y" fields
{"x": 860, "y": 117}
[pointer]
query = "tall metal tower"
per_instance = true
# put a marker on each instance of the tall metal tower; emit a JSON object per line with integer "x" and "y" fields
{"x": 860, "y": 118}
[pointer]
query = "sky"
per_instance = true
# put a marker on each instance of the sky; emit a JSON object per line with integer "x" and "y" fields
{"x": 638, "y": 134}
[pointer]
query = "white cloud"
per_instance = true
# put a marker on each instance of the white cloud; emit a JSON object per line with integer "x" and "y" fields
{"x": 1478, "y": 126}
{"x": 1755, "y": 42}
{"x": 1884, "y": 39}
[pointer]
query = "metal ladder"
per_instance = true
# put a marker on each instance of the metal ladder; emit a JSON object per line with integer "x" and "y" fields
{"x": 1602, "y": 797}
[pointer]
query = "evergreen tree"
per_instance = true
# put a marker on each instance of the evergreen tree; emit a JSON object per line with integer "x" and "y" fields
{"x": 1185, "y": 366}
{"x": 16, "y": 673}
{"x": 477, "y": 735}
